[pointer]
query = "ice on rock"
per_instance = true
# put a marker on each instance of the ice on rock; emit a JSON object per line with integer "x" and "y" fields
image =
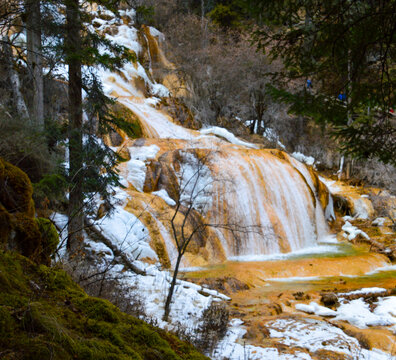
{"x": 314, "y": 308}
{"x": 380, "y": 221}
{"x": 126, "y": 232}
{"x": 164, "y": 195}
{"x": 351, "y": 232}
{"x": 224, "y": 133}
{"x": 136, "y": 165}
{"x": 143, "y": 153}
{"x": 309, "y": 160}
{"x": 156, "y": 33}
{"x": 136, "y": 173}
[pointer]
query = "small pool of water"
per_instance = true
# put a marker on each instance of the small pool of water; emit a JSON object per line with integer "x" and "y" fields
{"x": 327, "y": 266}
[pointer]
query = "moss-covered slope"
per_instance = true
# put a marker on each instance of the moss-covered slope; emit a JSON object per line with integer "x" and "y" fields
{"x": 45, "y": 315}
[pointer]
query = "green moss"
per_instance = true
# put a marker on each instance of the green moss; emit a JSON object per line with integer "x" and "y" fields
{"x": 99, "y": 309}
{"x": 49, "y": 237}
{"x": 15, "y": 189}
{"x": 46, "y": 315}
{"x": 27, "y": 238}
{"x": 7, "y": 324}
{"x": 56, "y": 279}
{"x": 128, "y": 120}
{"x": 5, "y": 226}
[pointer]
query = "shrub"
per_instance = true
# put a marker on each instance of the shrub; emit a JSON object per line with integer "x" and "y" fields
{"x": 23, "y": 146}
{"x": 213, "y": 328}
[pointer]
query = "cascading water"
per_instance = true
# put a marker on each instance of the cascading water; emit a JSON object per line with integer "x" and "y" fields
{"x": 267, "y": 192}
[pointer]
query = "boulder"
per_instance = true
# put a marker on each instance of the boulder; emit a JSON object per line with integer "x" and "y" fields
{"x": 329, "y": 299}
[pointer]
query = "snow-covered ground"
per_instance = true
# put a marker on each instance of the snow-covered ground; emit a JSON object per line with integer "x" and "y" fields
{"x": 128, "y": 234}
{"x": 299, "y": 335}
{"x": 358, "y": 312}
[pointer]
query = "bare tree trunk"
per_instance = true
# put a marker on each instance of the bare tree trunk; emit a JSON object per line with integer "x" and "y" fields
{"x": 341, "y": 169}
{"x": 75, "y": 208}
{"x": 33, "y": 32}
{"x": 202, "y": 14}
{"x": 349, "y": 114}
{"x": 259, "y": 127}
{"x": 172, "y": 287}
{"x": 253, "y": 126}
{"x": 349, "y": 101}
{"x": 19, "y": 101}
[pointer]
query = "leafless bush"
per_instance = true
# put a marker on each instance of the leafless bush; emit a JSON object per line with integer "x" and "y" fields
{"x": 213, "y": 328}
{"x": 375, "y": 173}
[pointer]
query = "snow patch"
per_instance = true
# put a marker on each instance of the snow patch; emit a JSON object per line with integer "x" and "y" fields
{"x": 316, "y": 335}
{"x": 164, "y": 195}
{"x": 357, "y": 312}
{"x": 309, "y": 160}
{"x": 314, "y": 308}
{"x": 372, "y": 290}
{"x": 230, "y": 348}
{"x": 351, "y": 232}
{"x": 230, "y": 137}
{"x": 380, "y": 221}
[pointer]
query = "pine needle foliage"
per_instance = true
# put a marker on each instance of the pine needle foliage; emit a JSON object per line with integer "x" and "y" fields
{"x": 344, "y": 46}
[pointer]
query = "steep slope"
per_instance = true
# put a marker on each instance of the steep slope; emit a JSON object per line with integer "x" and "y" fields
{"x": 43, "y": 313}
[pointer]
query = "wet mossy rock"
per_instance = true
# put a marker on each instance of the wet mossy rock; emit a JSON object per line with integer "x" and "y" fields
{"x": 20, "y": 231}
{"x": 130, "y": 126}
{"x": 44, "y": 314}
{"x": 49, "y": 238}
{"x": 26, "y": 237}
{"x": 5, "y": 226}
{"x": 15, "y": 189}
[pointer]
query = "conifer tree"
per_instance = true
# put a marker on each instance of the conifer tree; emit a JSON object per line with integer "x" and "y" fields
{"x": 75, "y": 145}
{"x": 342, "y": 45}
{"x": 34, "y": 60}
{"x": 60, "y": 36}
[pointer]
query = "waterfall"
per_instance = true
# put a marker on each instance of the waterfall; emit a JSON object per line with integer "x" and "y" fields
{"x": 271, "y": 194}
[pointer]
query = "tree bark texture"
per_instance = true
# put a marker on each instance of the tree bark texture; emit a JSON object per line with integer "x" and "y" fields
{"x": 73, "y": 52}
{"x": 34, "y": 59}
{"x": 172, "y": 287}
{"x": 19, "y": 101}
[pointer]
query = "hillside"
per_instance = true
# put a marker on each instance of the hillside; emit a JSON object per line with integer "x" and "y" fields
{"x": 45, "y": 315}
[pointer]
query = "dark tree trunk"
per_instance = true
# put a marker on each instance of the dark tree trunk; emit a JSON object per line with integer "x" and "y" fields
{"x": 252, "y": 126}
{"x": 33, "y": 32}
{"x": 73, "y": 52}
{"x": 172, "y": 287}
